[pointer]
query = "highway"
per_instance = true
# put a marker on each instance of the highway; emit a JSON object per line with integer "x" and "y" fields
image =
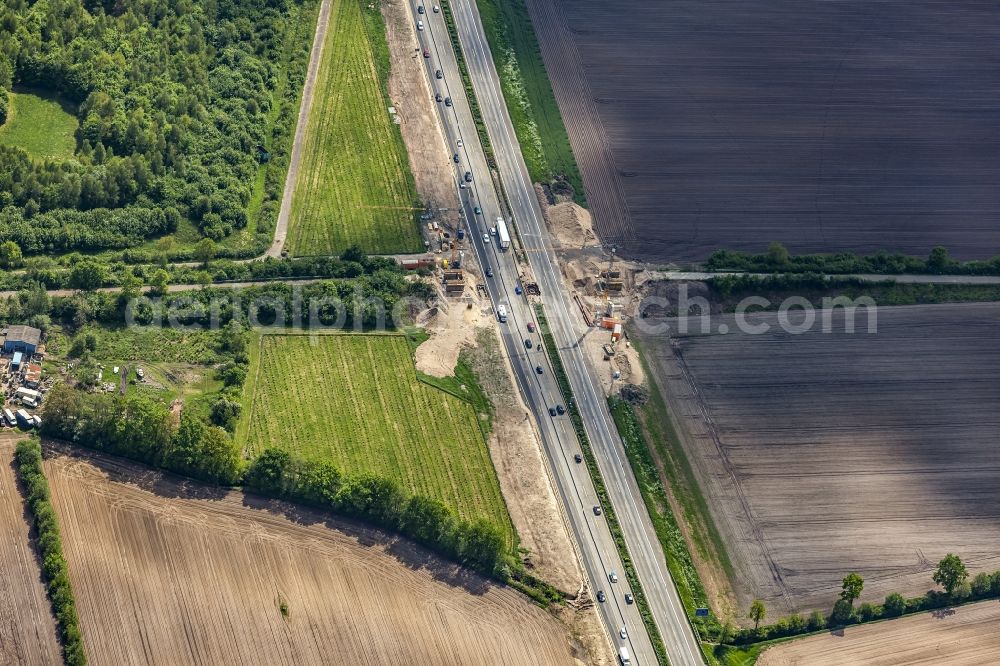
{"x": 568, "y": 328}
{"x": 596, "y": 547}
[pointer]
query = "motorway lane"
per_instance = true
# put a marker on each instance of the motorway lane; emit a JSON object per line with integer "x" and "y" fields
{"x": 596, "y": 546}
{"x": 682, "y": 645}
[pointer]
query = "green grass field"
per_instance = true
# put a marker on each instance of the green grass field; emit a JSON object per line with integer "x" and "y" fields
{"x": 354, "y": 184}
{"x": 528, "y": 92}
{"x": 39, "y": 124}
{"x": 356, "y": 400}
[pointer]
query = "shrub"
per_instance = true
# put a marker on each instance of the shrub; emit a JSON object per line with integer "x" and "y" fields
{"x": 816, "y": 621}
{"x": 981, "y": 585}
{"x": 868, "y": 612}
{"x": 895, "y": 605}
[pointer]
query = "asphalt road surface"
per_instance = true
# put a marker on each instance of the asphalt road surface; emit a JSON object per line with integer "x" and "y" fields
{"x": 597, "y": 549}
{"x": 568, "y": 328}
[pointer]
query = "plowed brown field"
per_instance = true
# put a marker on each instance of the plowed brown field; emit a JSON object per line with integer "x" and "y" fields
{"x": 828, "y": 126}
{"x": 821, "y": 454}
{"x": 174, "y": 573}
{"x": 964, "y": 636}
{"x": 27, "y": 629}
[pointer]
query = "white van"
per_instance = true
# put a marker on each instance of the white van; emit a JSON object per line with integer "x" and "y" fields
{"x": 502, "y": 312}
{"x": 623, "y": 656}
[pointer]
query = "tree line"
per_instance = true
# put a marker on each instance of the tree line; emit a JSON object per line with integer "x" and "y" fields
{"x": 77, "y": 271}
{"x": 478, "y": 544}
{"x": 951, "y": 574}
{"x": 777, "y": 259}
{"x": 141, "y": 428}
{"x": 28, "y": 461}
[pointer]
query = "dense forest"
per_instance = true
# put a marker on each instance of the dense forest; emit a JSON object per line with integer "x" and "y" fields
{"x": 174, "y": 101}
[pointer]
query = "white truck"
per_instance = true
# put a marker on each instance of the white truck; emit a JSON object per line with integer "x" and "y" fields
{"x": 503, "y": 236}
{"x": 623, "y": 656}
{"x": 502, "y": 312}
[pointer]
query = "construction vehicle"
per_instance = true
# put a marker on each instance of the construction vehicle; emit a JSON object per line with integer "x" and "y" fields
{"x": 503, "y": 236}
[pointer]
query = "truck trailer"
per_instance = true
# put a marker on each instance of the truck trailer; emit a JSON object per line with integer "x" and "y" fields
{"x": 503, "y": 236}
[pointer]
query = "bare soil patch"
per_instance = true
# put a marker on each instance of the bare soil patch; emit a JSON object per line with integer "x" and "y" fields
{"x": 430, "y": 159}
{"x": 570, "y": 225}
{"x": 27, "y": 628}
{"x": 965, "y": 636}
{"x": 821, "y": 454}
{"x": 452, "y": 325}
{"x": 175, "y": 572}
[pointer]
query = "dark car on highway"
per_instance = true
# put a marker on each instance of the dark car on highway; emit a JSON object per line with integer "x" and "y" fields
{"x": 600, "y": 596}
{"x": 527, "y": 343}
{"x": 468, "y": 176}
{"x": 437, "y": 97}
{"x": 578, "y": 458}
{"x": 427, "y": 53}
{"x": 438, "y": 74}
{"x": 455, "y": 158}
{"x": 560, "y": 409}
{"x": 552, "y": 411}
{"x": 538, "y": 369}
{"x": 447, "y": 101}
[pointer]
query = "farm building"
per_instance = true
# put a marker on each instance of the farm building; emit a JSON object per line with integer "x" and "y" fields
{"x": 21, "y": 339}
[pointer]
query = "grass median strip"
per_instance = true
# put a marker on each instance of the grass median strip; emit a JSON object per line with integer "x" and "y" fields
{"x": 602, "y": 493}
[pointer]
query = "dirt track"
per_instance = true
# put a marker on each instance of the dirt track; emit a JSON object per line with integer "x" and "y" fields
{"x": 822, "y": 454}
{"x": 165, "y": 573}
{"x": 965, "y": 636}
{"x": 305, "y": 106}
{"x": 27, "y": 628}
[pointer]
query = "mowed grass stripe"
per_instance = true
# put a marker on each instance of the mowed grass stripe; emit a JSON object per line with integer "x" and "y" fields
{"x": 355, "y": 400}
{"x": 354, "y": 185}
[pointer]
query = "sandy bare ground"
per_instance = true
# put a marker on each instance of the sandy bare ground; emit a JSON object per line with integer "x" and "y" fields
{"x": 169, "y": 572}
{"x": 965, "y": 636}
{"x": 430, "y": 159}
{"x": 570, "y": 225}
{"x": 27, "y": 628}
{"x": 452, "y": 325}
{"x": 821, "y": 454}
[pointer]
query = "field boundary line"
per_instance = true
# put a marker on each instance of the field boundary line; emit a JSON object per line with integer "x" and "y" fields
{"x": 305, "y": 107}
